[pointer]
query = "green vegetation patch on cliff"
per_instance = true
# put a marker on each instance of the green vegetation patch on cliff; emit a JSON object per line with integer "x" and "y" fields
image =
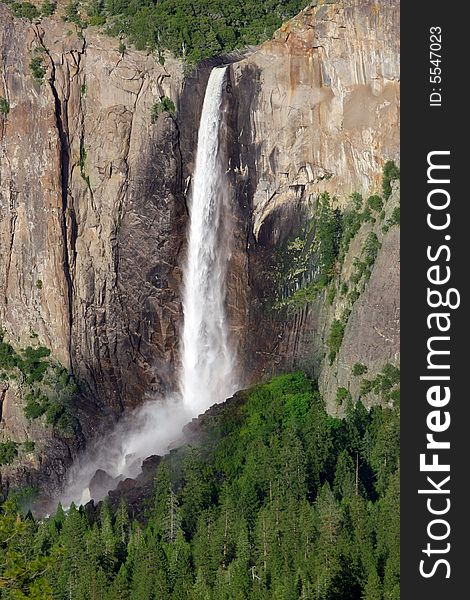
{"x": 276, "y": 500}
{"x": 308, "y": 263}
{"x": 30, "y": 11}
{"x": 385, "y": 384}
{"x": 47, "y": 387}
{"x": 4, "y": 106}
{"x": 312, "y": 260}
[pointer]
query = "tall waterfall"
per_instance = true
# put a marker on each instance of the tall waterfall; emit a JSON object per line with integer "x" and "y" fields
{"x": 207, "y": 361}
{"x": 207, "y": 370}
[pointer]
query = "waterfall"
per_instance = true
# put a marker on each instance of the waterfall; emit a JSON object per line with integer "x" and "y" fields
{"x": 207, "y": 364}
{"x": 207, "y": 361}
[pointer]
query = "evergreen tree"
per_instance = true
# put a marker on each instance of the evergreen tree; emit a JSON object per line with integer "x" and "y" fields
{"x": 166, "y": 513}
{"x": 200, "y": 589}
{"x": 120, "y": 589}
{"x": 65, "y": 578}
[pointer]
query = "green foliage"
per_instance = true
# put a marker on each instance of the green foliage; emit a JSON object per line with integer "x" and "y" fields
{"x": 37, "y": 68}
{"x": 328, "y": 231}
{"x": 341, "y": 394}
{"x": 370, "y": 249}
{"x": 36, "y": 405}
{"x": 375, "y": 203}
{"x": 48, "y": 388}
{"x": 95, "y": 12}
{"x": 8, "y": 452}
{"x": 278, "y": 500}
{"x": 353, "y": 218}
{"x": 23, "y": 566}
{"x": 393, "y": 220}
{"x": 48, "y": 8}
{"x": 9, "y": 359}
{"x": 163, "y": 105}
{"x": 335, "y": 338}
{"x": 39, "y": 284}
{"x": 25, "y": 10}
{"x": 32, "y": 364}
{"x": 82, "y": 163}
{"x": 71, "y": 13}
{"x": 363, "y": 268}
{"x": 357, "y": 201}
{"x": 308, "y": 263}
{"x": 122, "y": 48}
{"x": 358, "y": 369}
{"x": 330, "y": 296}
{"x": 196, "y": 29}
{"x": 384, "y": 384}
{"x": 190, "y": 29}
{"x": 4, "y": 106}
{"x": 28, "y": 446}
{"x": 97, "y": 20}
{"x": 390, "y": 173}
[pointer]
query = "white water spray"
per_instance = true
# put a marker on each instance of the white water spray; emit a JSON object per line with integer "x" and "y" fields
{"x": 207, "y": 361}
{"x": 206, "y": 375}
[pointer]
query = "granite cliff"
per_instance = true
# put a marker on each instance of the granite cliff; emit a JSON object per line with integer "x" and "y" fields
{"x": 93, "y": 187}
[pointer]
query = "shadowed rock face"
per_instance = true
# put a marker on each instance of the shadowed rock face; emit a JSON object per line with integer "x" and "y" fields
{"x": 92, "y": 201}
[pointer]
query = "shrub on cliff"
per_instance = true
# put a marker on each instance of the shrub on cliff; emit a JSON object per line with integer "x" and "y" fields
{"x": 4, "y": 106}
{"x": 165, "y": 104}
{"x": 390, "y": 173}
{"x": 25, "y": 10}
{"x": 8, "y": 452}
{"x": 335, "y": 338}
{"x": 358, "y": 369}
{"x": 48, "y": 8}
{"x": 37, "y": 69}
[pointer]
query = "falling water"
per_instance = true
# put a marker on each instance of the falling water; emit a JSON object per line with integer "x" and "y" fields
{"x": 207, "y": 361}
{"x": 206, "y": 375}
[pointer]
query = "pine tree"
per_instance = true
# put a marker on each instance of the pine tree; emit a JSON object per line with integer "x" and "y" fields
{"x": 373, "y": 588}
{"x": 121, "y": 528}
{"x": 328, "y": 526}
{"x": 388, "y": 537}
{"x": 344, "y": 483}
{"x": 240, "y": 566}
{"x": 120, "y": 589}
{"x": 200, "y": 589}
{"x": 22, "y": 571}
{"x": 107, "y": 538}
{"x": 145, "y": 566}
{"x": 198, "y": 489}
{"x": 65, "y": 578}
{"x": 319, "y": 443}
{"x": 166, "y": 512}
{"x": 180, "y": 567}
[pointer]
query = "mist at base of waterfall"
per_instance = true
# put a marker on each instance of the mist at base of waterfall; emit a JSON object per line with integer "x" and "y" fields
{"x": 146, "y": 431}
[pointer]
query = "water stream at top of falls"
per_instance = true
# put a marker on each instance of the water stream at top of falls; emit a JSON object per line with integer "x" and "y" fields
{"x": 207, "y": 364}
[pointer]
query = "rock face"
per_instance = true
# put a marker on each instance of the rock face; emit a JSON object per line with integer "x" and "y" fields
{"x": 93, "y": 191}
{"x": 317, "y": 110}
{"x": 92, "y": 211}
{"x": 318, "y": 105}
{"x": 92, "y": 215}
